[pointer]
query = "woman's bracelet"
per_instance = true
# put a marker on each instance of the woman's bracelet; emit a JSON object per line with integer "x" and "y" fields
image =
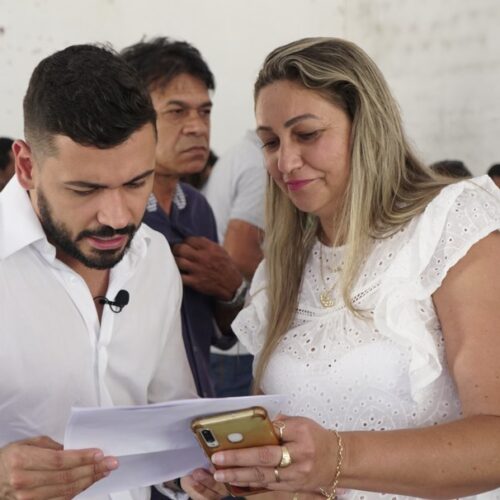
{"x": 332, "y": 493}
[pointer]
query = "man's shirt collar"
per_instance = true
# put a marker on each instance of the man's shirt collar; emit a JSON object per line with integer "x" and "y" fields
{"x": 19, "y": 224}
{"x": 179, "y": 201}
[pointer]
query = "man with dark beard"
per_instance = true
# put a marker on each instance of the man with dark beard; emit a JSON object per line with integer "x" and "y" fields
{"x": 71, "y": 240}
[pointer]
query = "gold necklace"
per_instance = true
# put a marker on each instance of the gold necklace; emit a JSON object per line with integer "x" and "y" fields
{"x": 325, "y": 297}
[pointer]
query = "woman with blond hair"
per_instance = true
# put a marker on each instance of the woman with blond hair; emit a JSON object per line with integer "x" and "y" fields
{"x": 376, "y": 310}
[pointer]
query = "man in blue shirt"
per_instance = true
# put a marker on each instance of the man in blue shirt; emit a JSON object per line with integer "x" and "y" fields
{"x": 179, "y": 82}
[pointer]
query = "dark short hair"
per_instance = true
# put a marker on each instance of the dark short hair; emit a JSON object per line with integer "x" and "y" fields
{"x": 161, "y": 59}
{"x": 5, "y": 148}
{"x": 451, "y": 168}
{"x": 88, "y": 93}
{"x": 494, "y": 170}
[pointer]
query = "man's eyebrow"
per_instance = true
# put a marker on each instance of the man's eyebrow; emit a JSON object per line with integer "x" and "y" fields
{"x": 177, "y": 102}
{"x": 95, "y": 185}
{"x": 290, "y": 122}
{"x": 139, "y": 177}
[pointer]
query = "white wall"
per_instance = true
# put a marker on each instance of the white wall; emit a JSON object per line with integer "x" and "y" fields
{"x": 442, "y": 61}
{"x": 441, "y": 58}
{"x": 233, "y": 35}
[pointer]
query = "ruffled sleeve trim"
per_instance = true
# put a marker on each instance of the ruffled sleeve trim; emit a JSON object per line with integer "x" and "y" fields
{"x": 460, "y": 216}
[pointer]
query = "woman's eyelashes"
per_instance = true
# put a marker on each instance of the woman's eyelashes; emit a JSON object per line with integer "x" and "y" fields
{"x": 269, "y": 143}
{"x": 308, "y": 136}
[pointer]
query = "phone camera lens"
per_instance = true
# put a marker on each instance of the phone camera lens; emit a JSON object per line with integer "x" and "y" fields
{"x": 208, "y": 436}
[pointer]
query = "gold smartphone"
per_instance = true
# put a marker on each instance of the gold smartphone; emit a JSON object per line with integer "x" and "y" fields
{"x": 233, "y": 430}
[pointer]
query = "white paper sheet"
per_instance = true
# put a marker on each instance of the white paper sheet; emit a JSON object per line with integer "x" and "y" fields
{"x": 153, "y": 443}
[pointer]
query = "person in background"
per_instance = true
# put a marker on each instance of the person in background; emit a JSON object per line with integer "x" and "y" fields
{"x": 375, "y": 311}
{"x": 6, "y": 161}
{"x": 235, "y": 192}
{"x": 451, "y": 168}
{"x": 180, "y": 82}
{"x": 71, "y": 240}
{"x": 494, "y": 173}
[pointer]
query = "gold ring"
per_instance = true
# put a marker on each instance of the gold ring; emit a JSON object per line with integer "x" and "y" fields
{"x": 286, "y": 459}
{"x": 277, "y": 475}
{"x": 281, "y": 427}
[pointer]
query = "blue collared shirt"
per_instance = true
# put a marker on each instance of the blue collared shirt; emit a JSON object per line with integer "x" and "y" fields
{"x": 190, "y": 215}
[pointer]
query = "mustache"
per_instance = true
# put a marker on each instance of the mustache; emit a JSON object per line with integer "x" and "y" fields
{"x": 108, "y": 232}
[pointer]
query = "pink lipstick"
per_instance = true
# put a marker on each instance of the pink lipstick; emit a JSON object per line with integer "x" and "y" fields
{"x": 297, "y": 185}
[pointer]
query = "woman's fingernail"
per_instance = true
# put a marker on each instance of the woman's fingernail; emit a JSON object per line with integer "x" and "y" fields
{"x": 98, "y": 456}
{"x": 218, "y": 458}
{"x": 219, "y": 476}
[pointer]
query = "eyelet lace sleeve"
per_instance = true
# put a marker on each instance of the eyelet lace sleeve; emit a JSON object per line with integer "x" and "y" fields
{"x": 251, "y": 323}
{"x": 461, "y": 215}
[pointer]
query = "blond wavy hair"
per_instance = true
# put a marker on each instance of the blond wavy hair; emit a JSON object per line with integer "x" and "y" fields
{"x": 387, "y": 185}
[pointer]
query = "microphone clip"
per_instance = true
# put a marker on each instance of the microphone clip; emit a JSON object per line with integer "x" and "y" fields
{"x": 121, "y": 300}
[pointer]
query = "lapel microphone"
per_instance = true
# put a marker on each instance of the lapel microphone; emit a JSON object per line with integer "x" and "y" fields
{"x": 121, "y": 300}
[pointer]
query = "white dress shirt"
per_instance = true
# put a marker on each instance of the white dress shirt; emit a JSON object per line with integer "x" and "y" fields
{"x": 54, "y": 352}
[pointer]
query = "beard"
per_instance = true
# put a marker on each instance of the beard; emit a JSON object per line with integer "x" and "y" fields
{"x": 60, "y": 237}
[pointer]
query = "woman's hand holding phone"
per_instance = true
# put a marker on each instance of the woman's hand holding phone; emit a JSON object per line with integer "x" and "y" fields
{"x": 247, "y": 428}
{"x": 247, "y": 468}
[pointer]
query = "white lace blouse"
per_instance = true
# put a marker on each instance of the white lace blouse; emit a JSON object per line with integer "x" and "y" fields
{"x": 389, "y": 371}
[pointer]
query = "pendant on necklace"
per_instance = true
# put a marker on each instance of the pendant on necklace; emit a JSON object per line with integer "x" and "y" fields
{"x": 326, "y": 299}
